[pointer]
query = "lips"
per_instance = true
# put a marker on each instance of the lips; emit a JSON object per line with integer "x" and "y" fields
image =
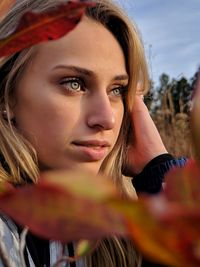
{"x": 92, "y": 143}
{"x": 91, "y": 150}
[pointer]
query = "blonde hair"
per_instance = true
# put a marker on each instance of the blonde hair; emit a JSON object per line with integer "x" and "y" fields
{"x": 19, "y": 159}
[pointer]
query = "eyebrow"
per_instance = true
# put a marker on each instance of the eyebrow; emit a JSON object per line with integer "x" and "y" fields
{"x": 87, "y": 72}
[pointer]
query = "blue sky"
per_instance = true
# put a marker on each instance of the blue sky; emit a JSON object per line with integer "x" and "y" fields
{"x": 170, "y": 30}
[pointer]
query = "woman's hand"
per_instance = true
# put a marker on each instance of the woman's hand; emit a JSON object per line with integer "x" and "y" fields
{"x": 146, "y": 141}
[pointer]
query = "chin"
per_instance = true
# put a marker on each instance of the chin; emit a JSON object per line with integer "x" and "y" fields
{"x": 92, "y": 167}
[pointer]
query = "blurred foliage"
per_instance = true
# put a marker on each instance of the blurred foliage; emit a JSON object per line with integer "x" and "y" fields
{"x": 76, "y": 206}
{"x": 34, "y": 28}
{"x": 164, "y": 227}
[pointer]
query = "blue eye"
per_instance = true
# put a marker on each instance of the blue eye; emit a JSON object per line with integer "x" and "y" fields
{"x": 73, "y": 84}
{"x": 119, "y": 91}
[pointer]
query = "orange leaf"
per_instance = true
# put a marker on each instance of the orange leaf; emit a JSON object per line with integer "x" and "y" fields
{"x": 147, "y": 232}
{"x": 34, "y": 28}
{"x": 164, "y": 232}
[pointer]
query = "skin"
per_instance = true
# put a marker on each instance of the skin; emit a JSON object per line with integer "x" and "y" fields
{"x": 147, "y": 142}
{"x": 72, "y": 115}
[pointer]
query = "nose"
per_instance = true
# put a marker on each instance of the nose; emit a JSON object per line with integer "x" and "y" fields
{"x": 100, "y": 114}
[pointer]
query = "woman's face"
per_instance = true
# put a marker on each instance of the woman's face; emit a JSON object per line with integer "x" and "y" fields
{"x": 69, "y": 101}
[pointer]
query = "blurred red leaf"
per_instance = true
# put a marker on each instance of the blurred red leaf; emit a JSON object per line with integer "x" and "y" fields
{"x": 65, "y": 206}
{"x": 73, "y": 205}
{"x": 5, "y": 5}
{"x": 166, "y": 227}
{"x": 182, "y": 185}
{"x": 167, "y": 234}
{"x": 34, "y": 28}
{"x": 149, "y": 233}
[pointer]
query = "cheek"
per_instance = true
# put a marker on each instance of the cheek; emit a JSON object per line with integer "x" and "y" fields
{"x": 45, "y": 122}
{"x": 41, "y": 120}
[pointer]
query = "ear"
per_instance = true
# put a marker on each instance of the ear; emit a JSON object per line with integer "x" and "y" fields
{"x": 7, "y": 114}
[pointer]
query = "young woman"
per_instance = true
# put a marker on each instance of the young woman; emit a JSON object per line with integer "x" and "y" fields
{"x": 68, "y": 103}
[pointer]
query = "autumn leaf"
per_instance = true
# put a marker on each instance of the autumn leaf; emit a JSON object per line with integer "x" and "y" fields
{"x": 166, "y": 234}
{"x": 182, "y": 185}
{"x": 5, "y": 5}
{"x": 34, "y": 28}
{"x": 75, "y": 205}
{"x": 148, "y": 232}
{"x": 65, "y": 206}
{"x": 166, "y": 227}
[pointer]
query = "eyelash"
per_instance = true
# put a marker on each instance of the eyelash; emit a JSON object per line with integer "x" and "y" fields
{"x": 82, "y": 87}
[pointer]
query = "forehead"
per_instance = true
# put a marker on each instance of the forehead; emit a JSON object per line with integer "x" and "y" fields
{"x": 90, "y": 44}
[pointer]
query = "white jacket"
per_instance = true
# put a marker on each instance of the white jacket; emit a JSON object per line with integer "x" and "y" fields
{"x": 10, "y": 242}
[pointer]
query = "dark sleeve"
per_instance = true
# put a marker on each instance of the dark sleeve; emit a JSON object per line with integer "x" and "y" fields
{"x": 146, "y": 263}
{"x": 151, "y": 178}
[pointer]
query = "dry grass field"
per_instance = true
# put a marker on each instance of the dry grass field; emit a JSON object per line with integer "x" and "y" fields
{"x": 173, "y": 128}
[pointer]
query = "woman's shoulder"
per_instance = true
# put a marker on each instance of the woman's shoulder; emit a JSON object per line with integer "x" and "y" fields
{"x": 10, "y": 244}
